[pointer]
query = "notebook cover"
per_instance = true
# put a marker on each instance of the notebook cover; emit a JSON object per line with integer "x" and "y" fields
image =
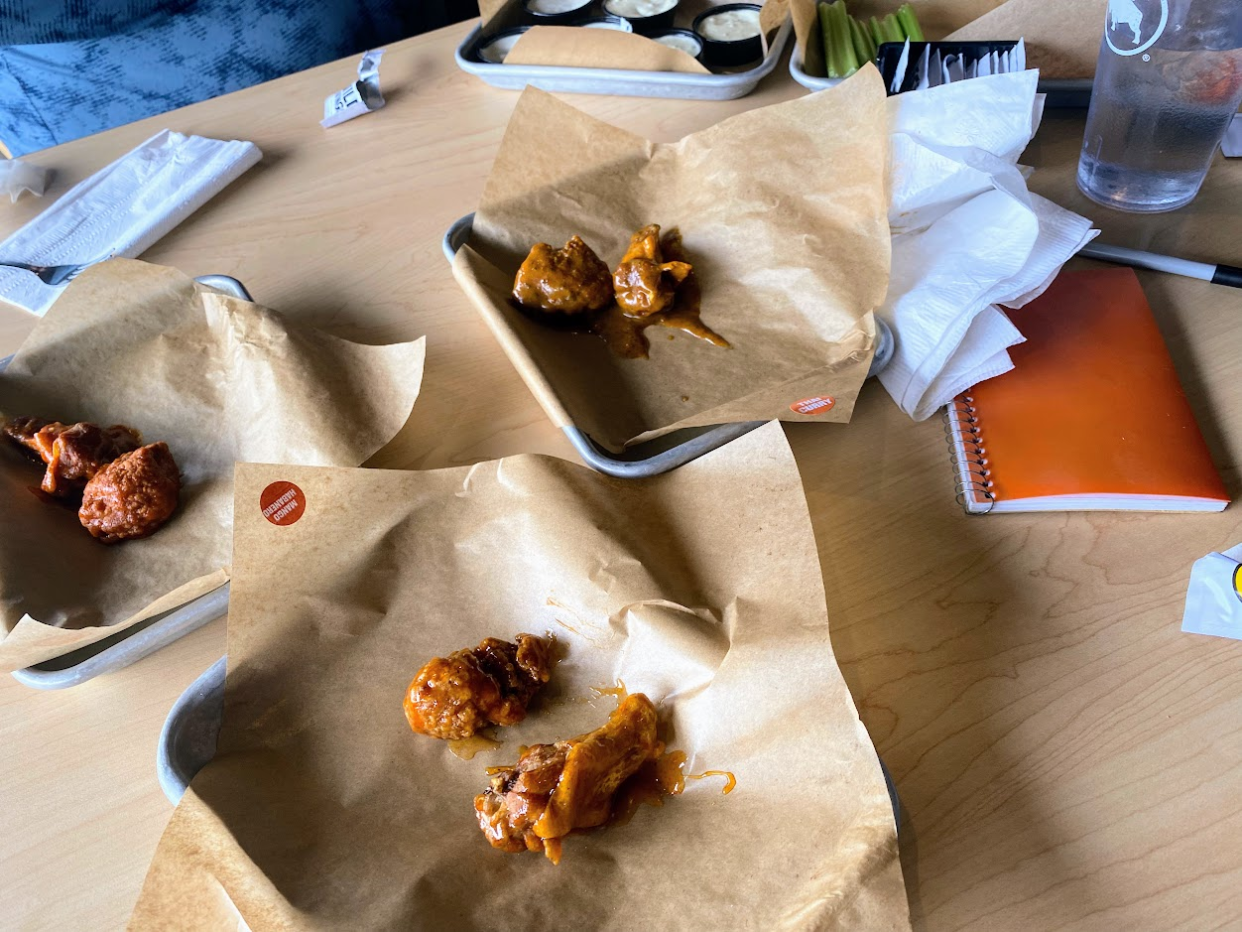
{"x": 1093, "y": 404}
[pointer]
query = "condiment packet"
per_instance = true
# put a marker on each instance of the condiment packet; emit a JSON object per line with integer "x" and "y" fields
{"x": 17, "y": 176}
{"x": 361, "y": 97}
{"x": 1214, "y": 599}
{"x": 1231, "y": 145}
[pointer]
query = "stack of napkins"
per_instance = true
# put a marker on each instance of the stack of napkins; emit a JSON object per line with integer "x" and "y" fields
{"x": 121, "y": 210}
{"x": 968, "y": 236}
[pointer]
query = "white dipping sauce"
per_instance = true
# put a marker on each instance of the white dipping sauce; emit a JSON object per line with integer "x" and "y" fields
{"x": 636, "y": 9}
{"x": 691, "y": 47}
{"x": 556, "y": 6}
{"x": 496, "y": 50}
{"x": 731, "y": 26}
{"x": 619, "y": 26}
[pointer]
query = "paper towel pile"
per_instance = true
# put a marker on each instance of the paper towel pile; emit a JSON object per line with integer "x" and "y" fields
{"x": 967, "y": 235}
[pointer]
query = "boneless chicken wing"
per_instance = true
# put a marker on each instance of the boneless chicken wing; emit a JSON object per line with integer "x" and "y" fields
{"x": 554, "y": 789}
{"x": 73, "y": 453}
{"x": 644, "y": 283}
{"x": 453, "y": 697}
{"x": 132, "y": 496}
{"x": 569, "y": 280}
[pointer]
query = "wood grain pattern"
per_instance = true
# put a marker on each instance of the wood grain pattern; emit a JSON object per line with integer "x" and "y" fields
{"x": 1066, "y": 758}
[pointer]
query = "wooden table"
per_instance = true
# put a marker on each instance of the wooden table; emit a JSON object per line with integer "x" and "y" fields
{"x": 1065, "y": 756}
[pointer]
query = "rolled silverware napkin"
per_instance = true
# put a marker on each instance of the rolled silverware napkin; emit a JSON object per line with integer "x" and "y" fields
{"x": 122, "y": 209}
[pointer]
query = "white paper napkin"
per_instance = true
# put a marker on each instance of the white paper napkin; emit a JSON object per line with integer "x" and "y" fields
{"x": 122, "y": 209}
{"x": 967, "y": 235}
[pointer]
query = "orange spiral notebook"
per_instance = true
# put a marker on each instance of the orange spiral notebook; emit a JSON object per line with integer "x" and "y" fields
{"x": 1091, "y": 418}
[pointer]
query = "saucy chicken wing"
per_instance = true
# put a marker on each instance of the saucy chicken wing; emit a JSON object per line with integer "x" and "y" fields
{"x": 73, "y": 453}
{"x": 556, "y": 788}
{"x": 644, "y": 283}
{"x": 453, "y": 697}
{"x": 132, "y": 496}
{"x": 570, "y": 280}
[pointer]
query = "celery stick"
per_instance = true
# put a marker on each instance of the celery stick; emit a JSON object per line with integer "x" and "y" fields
{"x": 825, "y": 32}
{"x": 873, "y": 27}
{"x": 909, "y": 22}
{"x": 863, "y": 48}
{"x": 891, "y": 29}
{"x": 839, "y": 56}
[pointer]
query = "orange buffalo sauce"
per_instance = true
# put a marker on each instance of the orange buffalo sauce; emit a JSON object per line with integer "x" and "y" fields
{"x": 656, "y": 780}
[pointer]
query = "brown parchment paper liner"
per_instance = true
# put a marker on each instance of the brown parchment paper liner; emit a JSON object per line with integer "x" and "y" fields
{"x": 784, "y": 213}
{"x": 574, "y": 47}
{"x": 1062, "y": 36}
{"x": 217, "y": 378}
{"x": 702, "y": 588}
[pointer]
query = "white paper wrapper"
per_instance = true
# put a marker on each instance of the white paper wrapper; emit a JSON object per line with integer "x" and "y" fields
{"x": 1213, "y": 599}
{"x": 363, "y": 96}
{"x": 17, "y": 177}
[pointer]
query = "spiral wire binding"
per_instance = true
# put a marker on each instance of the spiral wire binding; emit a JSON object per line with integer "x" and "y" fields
{"x": 972, "y": 476}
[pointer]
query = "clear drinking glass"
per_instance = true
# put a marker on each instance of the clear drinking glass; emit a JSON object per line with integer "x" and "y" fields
{"x": 1168, "y": 82}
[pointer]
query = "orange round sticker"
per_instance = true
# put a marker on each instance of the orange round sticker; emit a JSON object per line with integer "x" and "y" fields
{"x": 816, "y": 405}
{"x": 283, "y": 503}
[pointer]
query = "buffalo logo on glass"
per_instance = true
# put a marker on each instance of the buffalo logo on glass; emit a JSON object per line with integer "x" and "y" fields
{"x": 1135, "y": 25}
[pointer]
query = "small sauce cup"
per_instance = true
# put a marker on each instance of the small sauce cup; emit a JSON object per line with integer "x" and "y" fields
{"x": 646, "y": 16}
{"x": 731, "y": 34}
{"x": 619, "y": 23}
{"x": 494, "y": 49}
{"x": 555, "y": 12}
{"x": 687, "y": 40}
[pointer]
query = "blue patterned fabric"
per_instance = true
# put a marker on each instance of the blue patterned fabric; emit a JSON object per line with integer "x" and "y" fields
{"x": 24, "y": 22}
{"x": 115, "y": 61}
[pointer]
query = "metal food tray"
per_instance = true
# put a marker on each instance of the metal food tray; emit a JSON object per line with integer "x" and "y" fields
{"x": 188, "y": 740}
{"x": 619, "y": 82}
{"x": 1063, "y": 93}
{"x": 137, "y": 641}
{"x": 679, "y": 447}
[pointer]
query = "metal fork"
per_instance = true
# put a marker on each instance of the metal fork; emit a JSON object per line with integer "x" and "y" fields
{"x": 52, "y": 274}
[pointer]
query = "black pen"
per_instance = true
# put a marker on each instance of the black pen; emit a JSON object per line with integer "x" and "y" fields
{"x": 1229, "y": 275}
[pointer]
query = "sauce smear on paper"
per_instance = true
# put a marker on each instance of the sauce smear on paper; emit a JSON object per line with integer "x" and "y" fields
{"x": 466, "y": 748}
{"x": 618, "y": 692}
{"x": 656, "y": 780}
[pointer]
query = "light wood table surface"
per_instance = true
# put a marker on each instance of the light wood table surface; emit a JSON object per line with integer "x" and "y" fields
{"x": 1066, "y": 757}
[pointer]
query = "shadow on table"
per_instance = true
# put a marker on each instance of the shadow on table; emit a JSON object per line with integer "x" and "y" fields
{"x": 927, "y": 609}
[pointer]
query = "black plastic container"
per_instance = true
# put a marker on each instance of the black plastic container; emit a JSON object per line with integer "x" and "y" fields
{"x": 889, "y": 55}
{"x": 646, "y": 25}
{"x": 1069, "y": 93}
{"x": 687, "y": 33}
{"x": 619, "y": 23}
{"x": 556, "y": 19}
{"x": 481, "y": 51}
{"x": 727, "y": 53}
